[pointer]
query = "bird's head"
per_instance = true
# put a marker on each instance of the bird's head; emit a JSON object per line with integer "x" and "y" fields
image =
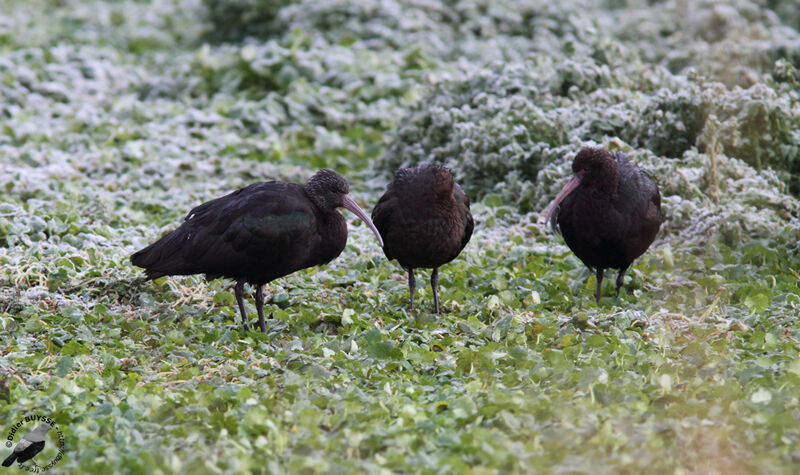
{"x": 329, "y": 190}
{"x": 591, "y": 166}
{"x": 327, "y": 187}
{"x": 596, "y": 165}
{"x": 43, "y": 428}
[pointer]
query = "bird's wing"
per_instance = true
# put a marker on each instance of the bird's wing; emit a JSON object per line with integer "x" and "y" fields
{"x": 652, "y": 188}
{"x": 383, "y": 219}
{"x": 30, "y": 452}
{"x": 256, "y": 226}
{"x": 209, "y": 208}
{"x": 463, "y": 200}
{"x": 22, "y": 445}
{"x": 649, "y": 210}
{"x": 260, "y": 224}
{"x": 270, "y": 226}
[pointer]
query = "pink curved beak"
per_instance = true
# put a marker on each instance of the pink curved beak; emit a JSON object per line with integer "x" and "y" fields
{"x": 553, "y": 206}
{"x": 351, "y": 205}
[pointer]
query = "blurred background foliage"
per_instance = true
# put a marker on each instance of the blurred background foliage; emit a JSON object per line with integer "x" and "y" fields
{"x": 116, "y": 117}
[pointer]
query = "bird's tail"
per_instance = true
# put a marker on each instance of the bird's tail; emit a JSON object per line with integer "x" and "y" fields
{"x": 161, "y": 258}
{"x": 10, "y": 459}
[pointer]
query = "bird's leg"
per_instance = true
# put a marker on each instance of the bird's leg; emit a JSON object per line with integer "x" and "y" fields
{"x": 435, "y": 286}
{"x": 620, "y": 278}
{"x": 260, "y": 307}
{"x": 412, "y": 284}
{"x": 599, "y": 284}
{"x": 238, "y": 291}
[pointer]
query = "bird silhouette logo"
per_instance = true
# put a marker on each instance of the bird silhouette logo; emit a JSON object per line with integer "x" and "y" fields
{"x": 31, "y": 444}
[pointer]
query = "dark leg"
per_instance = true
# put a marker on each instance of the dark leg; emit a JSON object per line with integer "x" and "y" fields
{"x": 260, "y": 307}
{"x": 412, "y": 284}
{"x": 435, "y": 287}
{"x": 239, "y": 290}
{"x": 620, "y": 278}
{"x": 599, "y": 284}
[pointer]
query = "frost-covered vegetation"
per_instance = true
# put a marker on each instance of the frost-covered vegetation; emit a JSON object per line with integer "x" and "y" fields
{"x": 116, "y": 117}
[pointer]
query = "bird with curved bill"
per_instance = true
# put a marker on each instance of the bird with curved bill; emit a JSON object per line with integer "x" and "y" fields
{"x": 257, "y": 234}
{"x": 608, "y": 212}
{"x": 31, "y": 444}
{"x": 425, "y": 221}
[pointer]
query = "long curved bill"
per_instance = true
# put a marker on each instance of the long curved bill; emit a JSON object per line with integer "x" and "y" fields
{"x": 553, "y": 206}
{"x": 351, "y": 205}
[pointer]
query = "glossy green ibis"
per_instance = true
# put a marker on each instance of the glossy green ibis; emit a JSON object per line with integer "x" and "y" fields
{"x": 257, "y": 234}
{"x": 609, "y": 212}
{"x": 425, "y": 221}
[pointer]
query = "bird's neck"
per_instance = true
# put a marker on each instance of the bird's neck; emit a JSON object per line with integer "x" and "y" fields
{"x": 333, "y": 232}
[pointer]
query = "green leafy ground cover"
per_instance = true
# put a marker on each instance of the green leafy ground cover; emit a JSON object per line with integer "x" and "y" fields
{"x": 117, "y": 117}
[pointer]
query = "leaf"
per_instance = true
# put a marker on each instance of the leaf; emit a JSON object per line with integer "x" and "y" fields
{"x": 64, "y": 365}
{"x": 463, "y": 408}
{"x": 57, "y": 279}
{"x": 665, "y": 381}
{"x": 492, "y": 201}
{"x": 347, "y": 316}
{"x": 758, "y": 302}
{"x": 595, "y": 341}
{"x": 73, "y": 348}
{"x": 224, "y": 299}
{"x": 244, "y": 394}
{"x": 763, "y": 395}
{"x": 72, "y": 312}
{"x": 381, "y": 350}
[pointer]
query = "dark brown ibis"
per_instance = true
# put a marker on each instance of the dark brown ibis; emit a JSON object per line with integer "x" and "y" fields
{"x": 609, "y": 212}
{"x": 425, "y": 221}
{"x": 257, "y": 234}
